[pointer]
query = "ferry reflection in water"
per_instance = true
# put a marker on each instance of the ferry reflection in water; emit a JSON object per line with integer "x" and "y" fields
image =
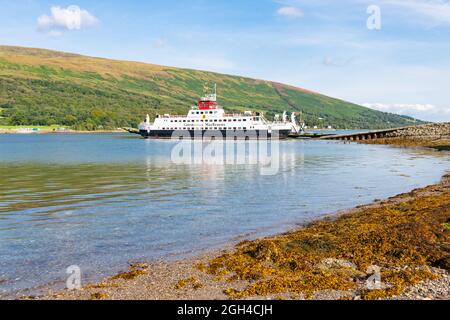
{"x": 101, "y": 201}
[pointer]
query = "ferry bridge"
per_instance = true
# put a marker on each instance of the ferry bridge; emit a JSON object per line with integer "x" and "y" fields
{"x": 357, "y": 136}
{"x": 431, "y": 130}
{"x": 361, "y": 136}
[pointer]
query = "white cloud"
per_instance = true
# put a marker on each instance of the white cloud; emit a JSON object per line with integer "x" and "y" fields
{"x": 438, "y": 11}
{"x": 336, "y": 62}
{"x": 421, "y": 111}
{"x": 70, "y": 18}
{"x": 402, "y": 108}
{"x": 55, "y": 33}
{"x": 159, "y": 43}
{"x": 290, "y": 12}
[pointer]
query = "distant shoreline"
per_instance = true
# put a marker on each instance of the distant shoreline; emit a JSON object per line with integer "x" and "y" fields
{"x": 37, "y": 131}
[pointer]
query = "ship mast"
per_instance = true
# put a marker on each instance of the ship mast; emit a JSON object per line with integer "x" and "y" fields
{"x": 209, "y": 100}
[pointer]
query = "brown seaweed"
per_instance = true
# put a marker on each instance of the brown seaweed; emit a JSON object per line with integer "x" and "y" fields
{"x": 403, "y": 237}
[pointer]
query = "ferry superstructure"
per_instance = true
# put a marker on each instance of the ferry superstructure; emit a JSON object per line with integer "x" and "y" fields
{"x": 207, "y": 118}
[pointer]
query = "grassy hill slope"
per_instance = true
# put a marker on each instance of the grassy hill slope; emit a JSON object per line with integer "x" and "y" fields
{"x": 43, "y": 87}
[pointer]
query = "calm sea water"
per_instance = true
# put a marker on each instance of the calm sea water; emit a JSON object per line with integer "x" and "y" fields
{"x": 101, "y": 201}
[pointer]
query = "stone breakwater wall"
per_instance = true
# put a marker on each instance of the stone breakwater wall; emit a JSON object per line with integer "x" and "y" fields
{"x": 435, "y": 130}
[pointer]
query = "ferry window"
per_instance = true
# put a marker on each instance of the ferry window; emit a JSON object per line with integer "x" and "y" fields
{"x": 234, "y": 120}
{"x": 198, "y": 112}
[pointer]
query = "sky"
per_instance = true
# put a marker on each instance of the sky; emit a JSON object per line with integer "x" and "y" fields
{"x": 390, "y": 55}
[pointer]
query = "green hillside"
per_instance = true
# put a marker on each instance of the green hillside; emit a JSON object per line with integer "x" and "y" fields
{"x": 42, "y": 87}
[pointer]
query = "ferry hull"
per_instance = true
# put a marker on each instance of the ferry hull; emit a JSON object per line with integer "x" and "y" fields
{"x": 238, "y": 134}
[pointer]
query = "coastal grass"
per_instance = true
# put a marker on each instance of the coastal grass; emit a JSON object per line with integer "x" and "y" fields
{"x": 403, "y": 237}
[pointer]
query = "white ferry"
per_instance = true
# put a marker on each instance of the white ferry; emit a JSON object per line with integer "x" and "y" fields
{"x": 208, "y": 117}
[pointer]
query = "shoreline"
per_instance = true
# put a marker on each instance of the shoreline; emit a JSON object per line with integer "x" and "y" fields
{"x": 68, "y": 132}
{"x": 438, "y": 143}
{"x": 245, "y": 271}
